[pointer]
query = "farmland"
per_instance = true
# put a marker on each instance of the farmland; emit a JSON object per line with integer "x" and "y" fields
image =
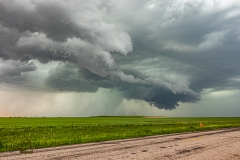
{"x": 28, "y": 133}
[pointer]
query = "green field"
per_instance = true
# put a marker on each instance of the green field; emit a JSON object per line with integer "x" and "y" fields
{"x": 29, "y": 133}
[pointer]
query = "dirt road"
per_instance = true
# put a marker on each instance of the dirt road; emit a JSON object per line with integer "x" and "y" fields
{"x": 215, "y": 145}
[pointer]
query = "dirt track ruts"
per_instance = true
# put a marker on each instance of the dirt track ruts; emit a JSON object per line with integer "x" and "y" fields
{"x": 218, "y": 144}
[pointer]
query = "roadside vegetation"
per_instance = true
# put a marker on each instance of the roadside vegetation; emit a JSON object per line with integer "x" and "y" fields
{"x": 31, "y": 133}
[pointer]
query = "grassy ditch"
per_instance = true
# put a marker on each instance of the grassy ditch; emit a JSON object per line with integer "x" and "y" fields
{"x": 30, "y": 133}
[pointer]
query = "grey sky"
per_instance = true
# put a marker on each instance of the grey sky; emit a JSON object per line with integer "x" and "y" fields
{"x": 170, "y": 52}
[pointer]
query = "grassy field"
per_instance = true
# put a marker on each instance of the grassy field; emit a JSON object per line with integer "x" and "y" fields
{"x": 29, "y": 133}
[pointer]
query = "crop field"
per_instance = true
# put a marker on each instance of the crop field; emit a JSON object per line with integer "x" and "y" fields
{"x": 29, "y": 133}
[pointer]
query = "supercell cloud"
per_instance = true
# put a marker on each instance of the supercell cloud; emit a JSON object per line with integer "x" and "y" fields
{"x": 163, "y": 52}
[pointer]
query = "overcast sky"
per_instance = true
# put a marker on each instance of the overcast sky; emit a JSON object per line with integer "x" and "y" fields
{"x": 120, "y": 57}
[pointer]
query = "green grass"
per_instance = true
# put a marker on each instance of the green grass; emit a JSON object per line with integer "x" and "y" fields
{"x": 29, "y": 133}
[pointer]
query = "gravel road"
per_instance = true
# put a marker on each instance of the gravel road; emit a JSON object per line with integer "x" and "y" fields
{"x": 215, "y": 145}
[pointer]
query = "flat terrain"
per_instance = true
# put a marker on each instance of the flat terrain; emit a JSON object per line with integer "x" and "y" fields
{"x": 217, "y": 145}
{"x": 20, "y": 134}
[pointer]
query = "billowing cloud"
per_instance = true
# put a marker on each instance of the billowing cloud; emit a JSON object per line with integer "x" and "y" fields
{"x": 163, "y": 52}
{"x": 12, "y": 72}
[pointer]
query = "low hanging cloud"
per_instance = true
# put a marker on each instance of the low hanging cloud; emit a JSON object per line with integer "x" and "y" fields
{"x": 163, "y": 52}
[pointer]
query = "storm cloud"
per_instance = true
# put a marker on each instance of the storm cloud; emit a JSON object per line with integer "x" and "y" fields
{"x": 162, "y": 52}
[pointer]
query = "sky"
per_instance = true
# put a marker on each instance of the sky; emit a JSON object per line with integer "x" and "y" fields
{"x": 120, "y": 57}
